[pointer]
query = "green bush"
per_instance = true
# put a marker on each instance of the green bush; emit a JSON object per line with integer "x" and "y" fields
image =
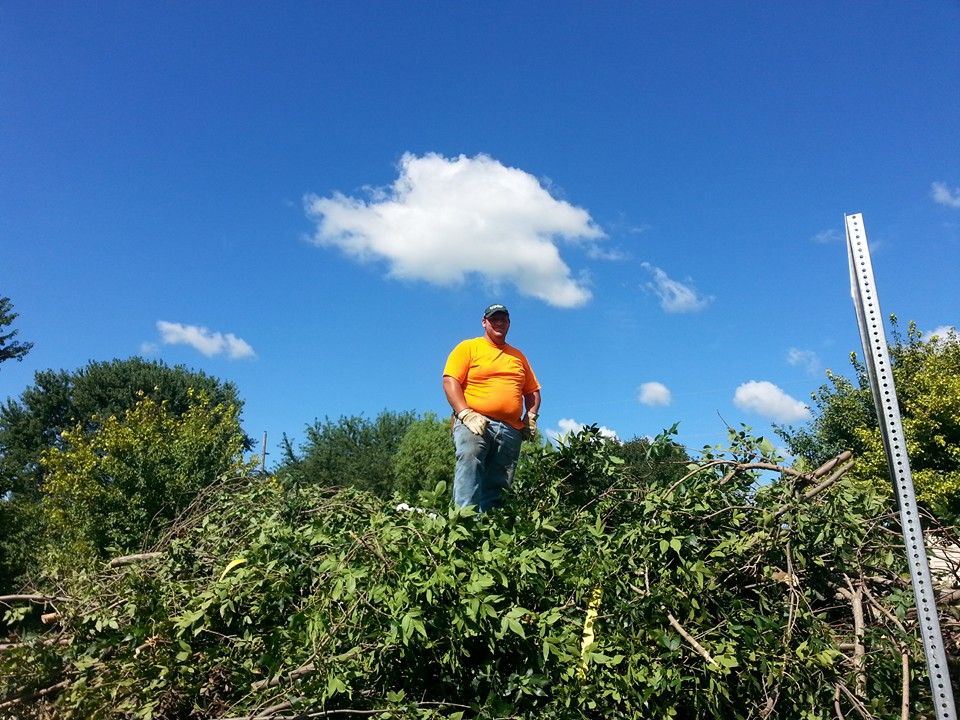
{"x": 709, "y": 595}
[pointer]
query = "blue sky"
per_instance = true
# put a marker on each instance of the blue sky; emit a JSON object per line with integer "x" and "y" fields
{"x": 316, "y": 200}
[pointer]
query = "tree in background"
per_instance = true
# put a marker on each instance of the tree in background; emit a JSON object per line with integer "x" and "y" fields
{"x": 79, "y": 403}
{"x": 424, "y": 457}
{"x": 119, "y": 486}
{"x": 655, "y": 461}
{"x": 353, "y": 451}
{"x": 927, "y": 376}
{"x": 61, "y": 400}
{"x": 10, "y": 349}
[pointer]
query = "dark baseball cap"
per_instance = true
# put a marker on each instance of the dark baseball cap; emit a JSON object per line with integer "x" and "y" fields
{"x": 495, "y": 308}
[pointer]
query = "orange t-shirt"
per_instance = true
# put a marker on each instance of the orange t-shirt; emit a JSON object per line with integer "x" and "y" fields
{"x": 494, "y": 378}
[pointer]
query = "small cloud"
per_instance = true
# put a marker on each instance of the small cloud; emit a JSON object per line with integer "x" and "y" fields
{"x": 807, "y": 359}
{"x": 149, "y": 348}
{"x": 569, "y": 426}
{"x": 944, "y": 333}
{"x": 206, "y": 342}
{"x": 766, "y": 399}
{"x": 444, "y": 220}
{"x": 675, "y": 297}
{"x": 596, "y": 252}
{"x": 654, "y": 393}
{"x": 943, "y": 195}
{"x": 824, "y": 237}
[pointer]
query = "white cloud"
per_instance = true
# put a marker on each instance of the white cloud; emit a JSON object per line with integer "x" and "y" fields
{"x": 654, "y": 393}
{"x": 444, "y": 219}
{"x": 943, "y": 333}
{"x": 149, "y": 348}
{"x": 675, "y": 297}
{"x": 830, "y": 235}
{"x": 807, "y": 359}
{"x": 766, "y": 399}
{"x": 944, "y": 195}
{"x": 568, "y": 426}
{"x": 204, "y": 341}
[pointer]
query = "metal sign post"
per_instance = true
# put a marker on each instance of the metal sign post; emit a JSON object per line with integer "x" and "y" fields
{"x": 870, "y": 320}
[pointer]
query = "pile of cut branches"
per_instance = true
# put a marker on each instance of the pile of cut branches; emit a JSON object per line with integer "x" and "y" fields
{"x": 736, "y": 588}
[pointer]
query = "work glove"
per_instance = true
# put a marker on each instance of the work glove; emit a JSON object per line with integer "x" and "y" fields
{"x": 529, "y": 426}
{"x": 475, "y": 422}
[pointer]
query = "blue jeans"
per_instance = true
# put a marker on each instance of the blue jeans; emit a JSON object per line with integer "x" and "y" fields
{"x": 485, "y": 464}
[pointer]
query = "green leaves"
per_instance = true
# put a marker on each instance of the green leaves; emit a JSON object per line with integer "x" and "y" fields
{"x": 926, "y": 371}
{"x": 672, "y": 544}
{"x": 117, "y": 486}
{"x": 412, "y": 623}
{"x": 511, "y": 622}
{"x": 568, "y": 601}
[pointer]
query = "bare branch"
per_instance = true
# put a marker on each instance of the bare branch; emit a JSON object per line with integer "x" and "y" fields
{"x": 904, "y": 683}
{"x": 859, "y": 652}
{"x": 832, "y": 463}
{"x": 857, "y": 705}
{"x": 44, "y": 642}
{"x": 131, "y": 559}
{"x": 701, "y": 651}
{"x": 836, "y": 703}
{"x": 817, "y": 489}
{"x": 263, "y": 714}
{"x": 35, "y": 696}
{"x": 289, "y": 677}
{"x": 839, "y": 473}
{"x": 7, "y": 599}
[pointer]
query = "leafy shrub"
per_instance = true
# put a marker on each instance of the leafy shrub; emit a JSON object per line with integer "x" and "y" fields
{"x": 118, "y": 486}
{"x": 590, "y": 594}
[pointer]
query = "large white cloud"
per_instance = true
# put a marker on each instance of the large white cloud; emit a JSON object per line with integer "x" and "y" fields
{"x": 766, "y": 399}
{"x": 943, "y": 195}
{"x": 654, "y": 393}
{"x": 203, "y": 340}
{"x": 675, "y": 297}
{"x": 444, "y": 219}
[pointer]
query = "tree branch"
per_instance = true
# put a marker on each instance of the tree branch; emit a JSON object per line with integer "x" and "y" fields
{"x": 832, "y": 463}
{"x": 859, "y": 652}
{"x": 262, "y": 715}
{"x": 904, "y": 683}
{"x": 817, "y": 489}
{"x": 701, "y": 651}
{"x": 857, "y": 705}
{"x": 289, "y": 677}
{"x": 131, "y": 559}
{"x": 35, "y": 696}
{"x": 7, "y": 599}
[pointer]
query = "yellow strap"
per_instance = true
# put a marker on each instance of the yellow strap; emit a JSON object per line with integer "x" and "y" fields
{"x": 588, "y": 637}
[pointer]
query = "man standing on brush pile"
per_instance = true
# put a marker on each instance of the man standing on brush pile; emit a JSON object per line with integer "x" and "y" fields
{"x": 489, "y": 384}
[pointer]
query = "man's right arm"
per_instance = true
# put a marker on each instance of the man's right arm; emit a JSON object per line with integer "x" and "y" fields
{"x": 454, "y": 392}
{"x": 474, "y": 421}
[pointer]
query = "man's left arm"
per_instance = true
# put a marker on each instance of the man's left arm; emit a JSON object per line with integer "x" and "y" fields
{"x": 531, "y": 401}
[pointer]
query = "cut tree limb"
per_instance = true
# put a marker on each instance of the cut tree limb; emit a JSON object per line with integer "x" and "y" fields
{"x": 131, "y": 559}
{"x": 701, "y": 650}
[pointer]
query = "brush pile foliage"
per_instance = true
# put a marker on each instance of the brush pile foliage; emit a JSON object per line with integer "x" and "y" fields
{"x": 599, "y": 591}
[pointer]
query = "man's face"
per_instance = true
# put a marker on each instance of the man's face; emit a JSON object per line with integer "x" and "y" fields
{"x": 496, "y": 327}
